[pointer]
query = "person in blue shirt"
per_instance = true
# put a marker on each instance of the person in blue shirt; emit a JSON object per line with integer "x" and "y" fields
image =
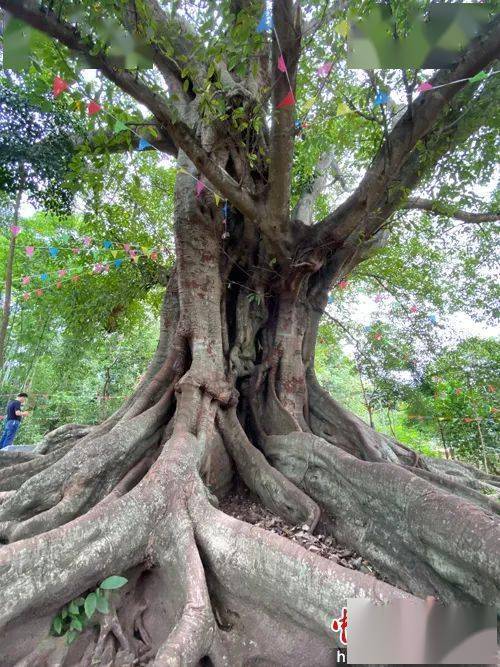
{"x": 13, "y": 419}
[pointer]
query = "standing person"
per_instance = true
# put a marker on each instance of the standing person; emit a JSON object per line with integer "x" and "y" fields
{"x": 13, "y": 420}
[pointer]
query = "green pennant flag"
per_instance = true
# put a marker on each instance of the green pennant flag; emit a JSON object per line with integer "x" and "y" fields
{"x": 119, "y": 127}
{"x": 478, "y": 77}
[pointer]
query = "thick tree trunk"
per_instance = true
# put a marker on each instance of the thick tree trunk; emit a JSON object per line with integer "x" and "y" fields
{"x": 230, "y": 392}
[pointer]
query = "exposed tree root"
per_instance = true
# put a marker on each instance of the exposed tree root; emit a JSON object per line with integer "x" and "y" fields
{"x": 276, "y": 492}
{"x": 402, "y": 523}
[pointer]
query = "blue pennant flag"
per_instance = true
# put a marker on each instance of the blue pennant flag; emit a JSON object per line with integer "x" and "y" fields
{"x": 107, "y": 244}
{"x": 266, "y": 22}
{"x": 53, "y": 251}
{"x": 143, "y": 144}
{"x": 118, "y": 263}
{"x": 224, "y": 209}
{"x": 381, "y": 98}
{"x": 330, "y": 298}
{"x": 367, "y": 328}
{"x": 44, "y": 276}
{"x": 432, "y": 319}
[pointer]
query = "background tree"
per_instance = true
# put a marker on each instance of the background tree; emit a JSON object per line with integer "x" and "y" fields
{"x": 232, "y": 381}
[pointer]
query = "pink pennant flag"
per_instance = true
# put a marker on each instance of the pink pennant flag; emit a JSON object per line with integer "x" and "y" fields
{"x": 59, "y": 86}
{"x": 30, "y": 250}
{"x": 97, "y": 268}
{"x": 93, "y": 108}
{"x": 15, "y": 230}
{"x": 378, "y": 336}
{"x": 132, "y": 253}
{"x": 413, "y": 309}
{"x": 26, "y": 296}
{"x": 25, "y": 280}
{"x": 75, "y": 251}
{"x": 378, "y": 298}
{"x": 281, "y": 64}
{"x": 39, "y": 291}
{"x": 324, "y": 69}
{"x": 343, "y": 284}
{"x": 62, "y": 272}
{"x": 126, "y": 247}
{"x": 200, "y": 186}
{"x": 287, "y": 101}
{"x": 87, "y": 240}
{"x": 424, "y": 86}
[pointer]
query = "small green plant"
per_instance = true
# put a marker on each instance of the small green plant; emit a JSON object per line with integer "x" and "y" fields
{"x": 76, "y": 615}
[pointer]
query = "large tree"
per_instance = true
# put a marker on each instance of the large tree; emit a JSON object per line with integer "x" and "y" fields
{"x": 232, "y": 386}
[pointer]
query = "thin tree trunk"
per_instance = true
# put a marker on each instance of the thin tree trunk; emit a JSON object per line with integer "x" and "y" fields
{"x": 365, "y": 397}
{"x": 8, "y": 280}
{"x": 441, "y": 433}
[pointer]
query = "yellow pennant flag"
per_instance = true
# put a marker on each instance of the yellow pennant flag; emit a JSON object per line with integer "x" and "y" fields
{"x": 114, "y": 253}
{"x": 145, "y": 250}
{"x": 342, "y": 109}
{"x": 343, "y": 28}
{"x": 307, "y": 105}
{"x": 217, "y": 199}
{"x": 78, "y": 104}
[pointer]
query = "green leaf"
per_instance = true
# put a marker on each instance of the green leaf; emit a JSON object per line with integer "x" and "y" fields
{"x": 57, "y": 624}
{"x": 102, "y": 605}
{"x": 73, "y": 608}
{"x": 90, "y": 604}
{"x": 113, "y": 582}
{"x": 71, "y": 636}
{"x": 76, "y": 624}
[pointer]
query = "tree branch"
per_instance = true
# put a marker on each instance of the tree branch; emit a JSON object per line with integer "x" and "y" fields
{"x": 282, "y": 131}
{"x": 181, "y": 135}
{"x": 448, "y": 210}
{"x": 303, "y": 210}
{"x": 382, "y": 189}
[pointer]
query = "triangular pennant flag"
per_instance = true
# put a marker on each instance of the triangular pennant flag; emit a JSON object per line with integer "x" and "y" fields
{"x": 114, "y": 253}
{"x": 75, "y": 251}
{"x": 200, "y": 186}
{"x": 154, "y": 256}
{"x": 126, "y": 247}
{"x": 119, "y": 127}
{"x": 98, "y": 267}
{"x": 143, "y": 144}
{"x": 342, "y": 28}
{"x": 343, "y": 284}
{"x": 62, "y": 272}
{"x": 266, "y": 22}
{"x": 413, "y": 309}
{"x": 75, "y": 278}
{"x": 30, "y": 250}
{"x": 134, "y": 258}
{"x": 87, "y": 240}
{"x": 59, "y": 86}
{"x": 15, "y": 230}
{"x": 58, "y": 284}
{"x": 93, "y": 108}
{"x": 423, "y": 87}
{"x": 225, "y": 209}
{"x": 44, "y": 276}
{"x": 118, "y": 263}
{"x": 287, "y": 101}
{"x": 478, "y": 77}
{"x": 342, "y": 109}
{"x": 26, "y": 296}
{"x": 381, "y": 98}
{"x": 324, "y": 69}
{"x": 78, "y": 104}
{"x": 25, "y": 280}
{"x": 330, "y": 298}
{"x": 432, "y": 319}
{"x": 39, "y": 291}
{"x": 281, "y": 64}
{"x": 145, "y": 250}
{"x": 217, "y": 199}
{"x": 107, "y": 244}
{"x": 53, "y": 251}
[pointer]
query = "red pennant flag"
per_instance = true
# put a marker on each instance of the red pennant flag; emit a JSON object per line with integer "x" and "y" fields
{"x": 75, "y": 278}
{"x": 26, "y": 296}
{"x": 200, "y": 186}
{"x": 93, "y": 108}
{"x": 281, "y": 64}
{"x": 413, "y": 309}
{"x": 154, "y": 256}
{"x": 39, "y": 292}
{"x": 58, "y": 284}
{"x": 491, "y": 388}
{"x": 343, "y": 284}
{"x": 287, "y": 101}
{"x": 59, "y": 86}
